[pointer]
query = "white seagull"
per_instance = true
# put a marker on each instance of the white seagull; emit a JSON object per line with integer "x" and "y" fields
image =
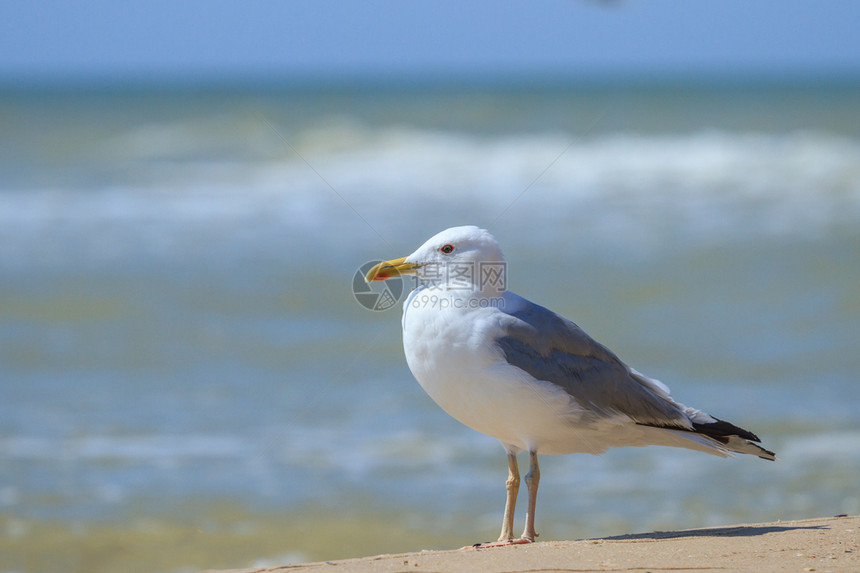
{"x": 534, "y": 380}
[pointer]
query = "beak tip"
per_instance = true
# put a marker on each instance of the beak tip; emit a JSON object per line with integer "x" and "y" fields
{"x": 375, "y": 274}
{"x": 387, "y": 269}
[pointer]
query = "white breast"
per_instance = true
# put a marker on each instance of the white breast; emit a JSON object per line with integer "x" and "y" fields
{"x": 452, "y": 355}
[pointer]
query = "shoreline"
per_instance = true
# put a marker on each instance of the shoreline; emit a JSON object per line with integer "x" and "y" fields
{"x": 819, "y": 544}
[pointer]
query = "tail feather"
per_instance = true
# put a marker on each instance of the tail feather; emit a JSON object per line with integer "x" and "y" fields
{"x": 734, "y": 438}
{"x": 723, "y": 437}
{"x": 743, "y": 446}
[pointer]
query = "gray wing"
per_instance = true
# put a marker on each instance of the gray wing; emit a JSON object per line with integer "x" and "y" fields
{"x": 554, "y": 349}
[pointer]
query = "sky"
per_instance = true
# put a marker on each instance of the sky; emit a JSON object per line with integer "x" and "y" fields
{"x": 52, "y": 39}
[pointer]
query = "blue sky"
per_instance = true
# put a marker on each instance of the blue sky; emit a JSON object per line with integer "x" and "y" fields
{"x": 187, "y": 38}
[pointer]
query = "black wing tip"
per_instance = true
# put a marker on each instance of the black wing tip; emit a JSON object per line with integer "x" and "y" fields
{"x": 736, "y": 439}
{"x": 766, "y": 454}
{"x": 722, "y": 429}
{"x": 729, "y": 434}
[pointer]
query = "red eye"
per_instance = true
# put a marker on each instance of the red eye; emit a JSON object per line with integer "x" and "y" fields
{"x": 447, "y": 249}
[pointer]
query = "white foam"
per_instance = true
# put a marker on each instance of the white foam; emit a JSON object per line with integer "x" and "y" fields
{"x": 828, "y": 446}
{"x": 130, "y": 448}
{"x": 712, "y": 186}
{"x": 289, "y": 558}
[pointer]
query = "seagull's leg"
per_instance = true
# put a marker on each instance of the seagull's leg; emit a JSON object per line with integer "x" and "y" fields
{"x": 532, "y": 481}
{"x": 513, "y": 488}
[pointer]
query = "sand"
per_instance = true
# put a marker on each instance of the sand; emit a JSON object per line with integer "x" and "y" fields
{"x": 825, "y": 544}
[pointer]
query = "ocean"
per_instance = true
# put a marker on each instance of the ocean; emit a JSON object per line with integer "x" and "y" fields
{"x": 187, "y": 379}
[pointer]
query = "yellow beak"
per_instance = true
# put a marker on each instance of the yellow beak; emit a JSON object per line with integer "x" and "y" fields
{"x": 387, "y": 269}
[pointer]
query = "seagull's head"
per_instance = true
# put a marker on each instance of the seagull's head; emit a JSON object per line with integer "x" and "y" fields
{"x": 458, "y": 253}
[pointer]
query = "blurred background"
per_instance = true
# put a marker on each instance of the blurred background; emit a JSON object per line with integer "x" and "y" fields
{"x": 187, "y": 189}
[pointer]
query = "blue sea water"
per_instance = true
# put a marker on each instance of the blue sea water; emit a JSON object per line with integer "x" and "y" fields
{"x": 178, "y": 330}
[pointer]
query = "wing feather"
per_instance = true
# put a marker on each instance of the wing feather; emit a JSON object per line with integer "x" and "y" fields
{"x": 554, "y": 349}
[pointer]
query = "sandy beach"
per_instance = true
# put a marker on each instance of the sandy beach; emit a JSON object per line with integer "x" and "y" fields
{"x": 824, "y": 544}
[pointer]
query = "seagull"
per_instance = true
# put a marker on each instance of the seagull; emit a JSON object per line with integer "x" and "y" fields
{"x": 532, "y": 379}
